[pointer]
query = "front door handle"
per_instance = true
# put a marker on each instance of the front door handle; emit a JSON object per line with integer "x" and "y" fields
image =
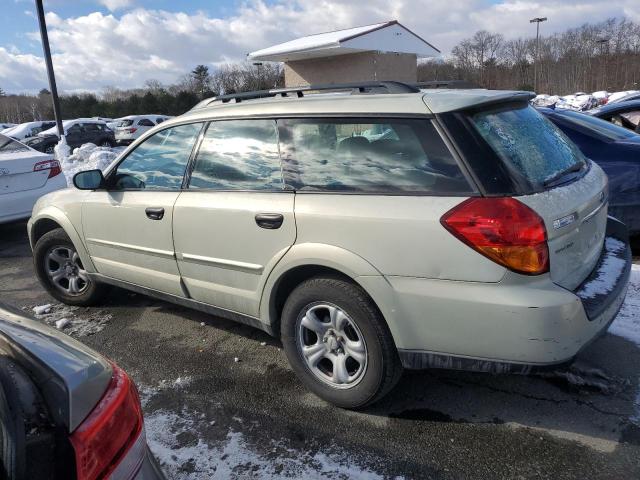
{"x": 154, "y": 213}
{"x": 270, "y": 221}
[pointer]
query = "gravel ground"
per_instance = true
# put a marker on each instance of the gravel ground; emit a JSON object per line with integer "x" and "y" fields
{"x": 221, "y": 401}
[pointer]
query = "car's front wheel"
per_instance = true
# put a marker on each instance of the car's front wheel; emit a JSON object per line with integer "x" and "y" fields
{"x": 61, "y": 272}
{"x": 338, "y": 343}
{"x": 106, "y": 143}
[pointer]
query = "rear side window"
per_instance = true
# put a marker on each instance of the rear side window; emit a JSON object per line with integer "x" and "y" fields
{"x": 238, "y": 155}
{"x": 368, "y": 156}
{"x": 530, "y": 145}
{"x": 9, "y": 145}
{"x": 145, "y": 122}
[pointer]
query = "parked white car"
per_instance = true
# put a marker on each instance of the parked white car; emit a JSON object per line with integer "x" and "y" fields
{"x": 25, "y": 175}
{"x": 4, "y": 126}
{"x": 133, "y": 126}
{"x": 28, "y": 129}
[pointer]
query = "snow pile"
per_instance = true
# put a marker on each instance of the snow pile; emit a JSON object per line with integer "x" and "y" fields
{"x": 544, "y": 100}
{"x": 86, "y": 157}
{"x": 580, "y": 102}
{"x": 608, "y": 272}
{"x": 75, "y": 321}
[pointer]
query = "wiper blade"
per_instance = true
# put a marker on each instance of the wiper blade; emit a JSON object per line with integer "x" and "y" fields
{"x": 576, "y": 167}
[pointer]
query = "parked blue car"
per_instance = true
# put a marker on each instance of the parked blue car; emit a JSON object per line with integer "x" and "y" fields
{"x": 625, "y": 114}
{"x": 616, "y": 150}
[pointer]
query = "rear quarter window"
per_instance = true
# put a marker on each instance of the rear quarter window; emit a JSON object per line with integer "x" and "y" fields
{"x": 368, "y": 155}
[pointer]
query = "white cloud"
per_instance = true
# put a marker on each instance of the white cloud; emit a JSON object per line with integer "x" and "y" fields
{"x": 124, "y": 50}
{"x": 114, "y": 5}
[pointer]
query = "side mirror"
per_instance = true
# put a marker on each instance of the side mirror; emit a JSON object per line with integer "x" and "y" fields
{"x": 88, "y": 180}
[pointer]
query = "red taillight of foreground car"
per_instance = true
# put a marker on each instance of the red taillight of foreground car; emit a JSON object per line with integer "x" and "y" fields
{"x": 52, "y": 165}
{"x": 502, "y": 229}
{"x": 105, "y": 437}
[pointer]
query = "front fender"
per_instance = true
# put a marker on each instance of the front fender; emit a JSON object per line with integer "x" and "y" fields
{"x": 57, "y": 215}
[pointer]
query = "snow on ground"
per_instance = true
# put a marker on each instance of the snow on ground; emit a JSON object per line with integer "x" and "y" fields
{"x": 74, "y": 321}
{"x": 627, "y": 323}
{"x": 233, "y": 456}
{"x": 86, "y": 157}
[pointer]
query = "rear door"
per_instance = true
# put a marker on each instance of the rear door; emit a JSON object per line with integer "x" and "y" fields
{"x": 235, "y": 221}
{"x": 568, "y": 191}
{"x": 127, "y": 227}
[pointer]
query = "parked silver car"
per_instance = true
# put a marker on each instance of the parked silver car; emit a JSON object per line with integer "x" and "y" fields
{"x": 66, "y": 411}
{"x": 383, "y": 228}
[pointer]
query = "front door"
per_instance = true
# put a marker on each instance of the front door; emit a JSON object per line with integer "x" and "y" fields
{"x": 128, "y": 226}
{"x": 235, "y": 221}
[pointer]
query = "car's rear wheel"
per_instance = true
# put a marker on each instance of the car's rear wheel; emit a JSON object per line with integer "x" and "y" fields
{"x": 49, "y": 149}
{"x": 338, "y": 343}
{"x": 106, "y": 143}
{"x": 60, "y": 270}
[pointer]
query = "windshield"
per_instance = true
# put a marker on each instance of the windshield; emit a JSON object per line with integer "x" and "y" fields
{"x": 528, "y": 143}
{"x": 599, "y": 126}
{"x": 54, "y": 130}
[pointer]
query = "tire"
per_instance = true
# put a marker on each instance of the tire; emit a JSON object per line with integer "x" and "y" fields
{"x": 55, "y": 253}
{"x": 49, "y": 149}
{"x": 106, "y": 143}
{"x": 363, "y": 334}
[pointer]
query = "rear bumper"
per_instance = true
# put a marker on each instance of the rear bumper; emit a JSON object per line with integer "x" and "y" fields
{"x": 515, "y": 325}
{"x": 18, "y": 205}
{"x": 149, "y": 470}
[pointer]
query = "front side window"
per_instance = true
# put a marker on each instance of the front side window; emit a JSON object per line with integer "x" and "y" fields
{"x": 238, "y": 155}
{"x": 368, "y": 156}
{"x": 528, "y": 143}
{"x": 159, "y": 162}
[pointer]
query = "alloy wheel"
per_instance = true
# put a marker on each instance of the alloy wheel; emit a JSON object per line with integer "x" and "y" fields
{"x": 65, "y": 270}
{"x": 331, "y": 345}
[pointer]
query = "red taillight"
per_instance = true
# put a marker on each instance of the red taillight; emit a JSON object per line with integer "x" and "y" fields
{"x": 52, "y": 165}
{"x": 132, "y": 130}
{"x": 502, "y": 229}
{"x": 103, "y": 439}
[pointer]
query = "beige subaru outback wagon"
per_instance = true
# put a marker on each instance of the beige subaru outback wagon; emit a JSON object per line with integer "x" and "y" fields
{"x": 370, "y": 227}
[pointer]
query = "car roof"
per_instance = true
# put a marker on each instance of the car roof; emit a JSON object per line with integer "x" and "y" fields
{"x": 628, "y": 105}
{"x": 435, "y": 100}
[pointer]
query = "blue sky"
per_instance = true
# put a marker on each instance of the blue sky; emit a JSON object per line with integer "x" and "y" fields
{"x": 122, "y": 43}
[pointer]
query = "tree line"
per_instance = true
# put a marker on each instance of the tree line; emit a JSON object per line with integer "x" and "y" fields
{"x": 598, "y": 56}
{"x": 153, "y": 97}
{"x": 594, "y": 56}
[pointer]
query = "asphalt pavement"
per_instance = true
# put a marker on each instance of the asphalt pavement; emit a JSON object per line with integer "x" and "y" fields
{"x": 221, "y": 402}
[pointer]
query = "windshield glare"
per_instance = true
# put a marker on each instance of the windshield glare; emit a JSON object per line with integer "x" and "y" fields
{"x": 527, "y": 142}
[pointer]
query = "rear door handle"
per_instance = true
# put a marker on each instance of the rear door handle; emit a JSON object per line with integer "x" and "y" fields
{"x": 270, "y": 221}
{"x": 154, "y": 213}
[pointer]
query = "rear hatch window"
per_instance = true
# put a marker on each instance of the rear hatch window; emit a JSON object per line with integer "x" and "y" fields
{"x": 530, "y": 146}
{"x": 125, "y": 123}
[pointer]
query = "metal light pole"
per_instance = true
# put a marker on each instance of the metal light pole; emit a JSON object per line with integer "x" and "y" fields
{"x": 537, "y": 21}
{"x": 602, "y": 42}
{"x": 49, "y": 63}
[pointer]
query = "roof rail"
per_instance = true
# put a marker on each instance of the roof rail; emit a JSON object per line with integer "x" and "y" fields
{"x": 355, "y": 88}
